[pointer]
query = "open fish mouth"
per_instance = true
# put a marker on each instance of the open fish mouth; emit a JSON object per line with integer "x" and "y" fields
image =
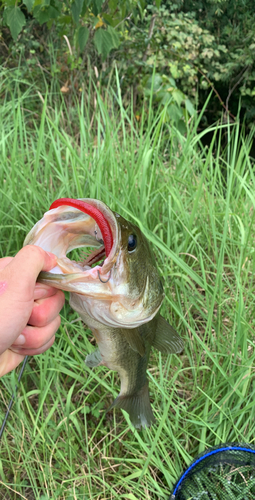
{"x": 72, "y": 224}
{"x": 110, "y": 290}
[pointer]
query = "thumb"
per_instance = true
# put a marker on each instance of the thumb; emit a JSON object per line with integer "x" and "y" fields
{"x": 21, "y": 273}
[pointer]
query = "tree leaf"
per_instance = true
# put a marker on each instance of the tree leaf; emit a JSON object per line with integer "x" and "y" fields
{"x": 96, "y": 7}
{"x": 10, "y": 3}
{"x": 41, "y": 3}
{"x": 29, "y": 4}
{"x": 180, "y": 125}
{"x": 105, "y": 41}
{"x": 15, "y": 20}
{"x": 46, "y": 14}
{"x": 178, "y": 96}
{"x": 189, "y": 107}
{"x": 114, "y": 36}
{"x": 84, "y": 8}
{"x": 76, "y": 9}
{"x": 82, "y": 37}
{"x": 174, "y": 112}
{"x": 156, "y": 80}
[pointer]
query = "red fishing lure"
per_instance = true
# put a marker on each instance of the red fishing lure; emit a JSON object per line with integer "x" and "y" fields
{"x": 93, "y": 212}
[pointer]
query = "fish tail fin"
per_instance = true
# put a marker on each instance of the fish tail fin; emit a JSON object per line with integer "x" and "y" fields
{"x": 137, "y": 406}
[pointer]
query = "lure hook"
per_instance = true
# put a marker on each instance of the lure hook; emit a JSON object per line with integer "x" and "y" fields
{"x": 102, "y": 281}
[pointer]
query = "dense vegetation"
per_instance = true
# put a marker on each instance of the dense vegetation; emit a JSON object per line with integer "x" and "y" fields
{"x": 126, "y": 121}
{"x": 195, "y": 46}
{"x": 198, "y": 211}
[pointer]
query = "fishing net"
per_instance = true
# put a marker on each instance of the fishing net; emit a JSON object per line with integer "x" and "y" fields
{"x": 225, "y": 473}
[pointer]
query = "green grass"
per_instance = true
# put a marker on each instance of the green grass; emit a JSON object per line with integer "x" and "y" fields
{"x": 196, "y": 205}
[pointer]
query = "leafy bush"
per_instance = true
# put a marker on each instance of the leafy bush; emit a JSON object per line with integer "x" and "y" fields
{"x": 193, "y": 47}
{"x": 231, "y": 23}
{"x": 202, "y": 45}
{"x": 81, "y": 18}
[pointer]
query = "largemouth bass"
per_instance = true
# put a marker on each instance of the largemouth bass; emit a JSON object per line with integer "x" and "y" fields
{"x": 118, "y": 299}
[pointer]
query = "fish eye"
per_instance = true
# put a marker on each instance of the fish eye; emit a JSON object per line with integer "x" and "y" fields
{"x": 132, "y": 243}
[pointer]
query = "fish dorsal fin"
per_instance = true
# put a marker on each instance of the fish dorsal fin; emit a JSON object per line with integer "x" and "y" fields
{"x": 166, "y": 339}
{"x": 135, "y": 340}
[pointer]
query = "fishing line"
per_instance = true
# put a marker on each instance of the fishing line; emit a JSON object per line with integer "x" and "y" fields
{"x": 13, "y": 396}
{"x": 223, "y": 473}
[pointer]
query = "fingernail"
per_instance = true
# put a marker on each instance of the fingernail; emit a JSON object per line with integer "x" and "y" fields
{"x": 40, "y": 292}
{"x": 20, "y": 340}
{"x": 52, "y": 255}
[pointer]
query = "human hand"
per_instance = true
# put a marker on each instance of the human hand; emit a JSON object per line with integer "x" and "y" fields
{"x": 29, "y": 311}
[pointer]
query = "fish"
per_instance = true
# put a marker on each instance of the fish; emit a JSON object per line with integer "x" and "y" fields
{"x": 116, "y": 290}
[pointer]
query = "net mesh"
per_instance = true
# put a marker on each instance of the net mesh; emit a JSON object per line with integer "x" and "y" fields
{"x": 221, "y": 474}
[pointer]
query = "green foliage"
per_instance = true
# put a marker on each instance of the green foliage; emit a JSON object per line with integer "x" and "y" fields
{"x": 179, "y": 48}
{"x": 198, "y": 211}
{"x": 46, "y": 12}
{"x": 201, "y": 46}
{"x": 231, "y": 23}
{"x": 15, "y": 19}
{"x": 178, "y": 108}
{"x": 105, "y": 41}
{"x": 82, "y": 37}
{"x": 29, "y": 4}
{"x": 76, "y": 9}
{"x": 83, "y": 19}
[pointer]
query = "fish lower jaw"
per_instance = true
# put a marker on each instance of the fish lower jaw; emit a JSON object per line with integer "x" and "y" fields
{"x": 66, "y": 268}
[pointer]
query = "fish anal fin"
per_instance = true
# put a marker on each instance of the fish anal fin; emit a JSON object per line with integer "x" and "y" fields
{"x": 137, "y": 406}
{"x": 135, "y": 340}
{"x": 94, "y": 359}
{"x": 166, "y": 339}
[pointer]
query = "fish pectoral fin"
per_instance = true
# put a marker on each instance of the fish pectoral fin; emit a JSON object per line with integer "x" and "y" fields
{"x": 166, "y": 338}
{"x": 135, "y": 340}
{"x": 137, "y": 406}
{"x": 94, "y": 359}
